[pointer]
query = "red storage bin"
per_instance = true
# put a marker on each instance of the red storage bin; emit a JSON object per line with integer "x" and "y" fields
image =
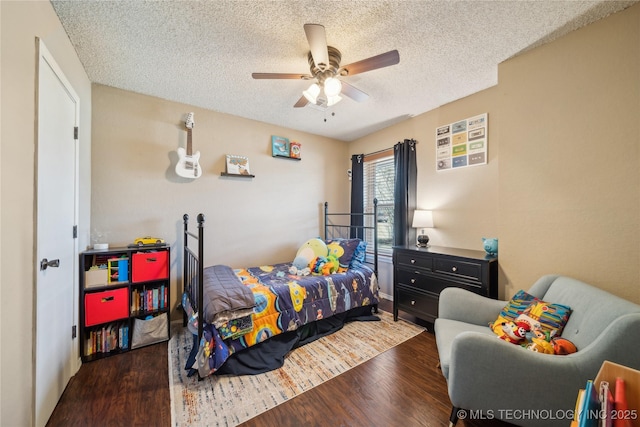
{"x": 147, "y": 266}
{"x": 102, "y": 307}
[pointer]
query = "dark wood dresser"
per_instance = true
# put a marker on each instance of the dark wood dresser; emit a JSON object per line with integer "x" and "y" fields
{"x": 420, "y": 274}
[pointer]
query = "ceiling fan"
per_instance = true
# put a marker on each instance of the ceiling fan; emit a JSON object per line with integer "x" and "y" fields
{"x": 324, "y": 66}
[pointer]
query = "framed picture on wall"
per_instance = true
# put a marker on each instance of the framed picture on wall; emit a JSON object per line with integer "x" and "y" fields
{"x": 279, "y": 146}
{"x": 294, "y": 150}
{"x": 238, "y": 165}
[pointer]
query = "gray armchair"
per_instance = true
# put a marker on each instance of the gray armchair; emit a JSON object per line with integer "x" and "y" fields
{"x": 492, "y": 378}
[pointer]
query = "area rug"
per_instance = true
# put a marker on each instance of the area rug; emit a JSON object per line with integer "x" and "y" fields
{"x": 230, "y": 400}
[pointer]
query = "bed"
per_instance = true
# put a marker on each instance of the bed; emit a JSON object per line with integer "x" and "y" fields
{"x": 245, "y": 320}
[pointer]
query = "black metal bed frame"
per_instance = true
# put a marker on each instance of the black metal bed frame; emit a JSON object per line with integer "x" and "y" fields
{"x": 193, "y": 268}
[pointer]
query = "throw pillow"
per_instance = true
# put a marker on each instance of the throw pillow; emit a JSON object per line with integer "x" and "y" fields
{"x": 343, "y": 249}
{"x": 546, "y": 320}
{"x": 515, "y": 307}
{"x": 359, "y": 255}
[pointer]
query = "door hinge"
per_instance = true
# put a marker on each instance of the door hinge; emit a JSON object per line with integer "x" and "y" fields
{"x": 75, "y": 132}
{"x": 73, "y": 331}
{"x": 75, "y": 231}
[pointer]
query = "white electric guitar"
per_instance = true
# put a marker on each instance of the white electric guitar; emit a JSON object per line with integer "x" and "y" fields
{"x": 188, "y": 166}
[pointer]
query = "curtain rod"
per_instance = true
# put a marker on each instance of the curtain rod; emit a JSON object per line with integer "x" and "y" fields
{"x": 386, "y": 149}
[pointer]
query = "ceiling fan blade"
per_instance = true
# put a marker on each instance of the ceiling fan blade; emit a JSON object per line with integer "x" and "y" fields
{"x": 317, "y": 39}
{"x": 353, "y": 92}
{"x": 373, "y": 63}
{"x": 281, "y": 76}
{"x": 301, "y": 102}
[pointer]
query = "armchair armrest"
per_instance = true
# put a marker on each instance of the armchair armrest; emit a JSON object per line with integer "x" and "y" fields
{"x": 465, "y": 306}
{"x": 489, "y": 374}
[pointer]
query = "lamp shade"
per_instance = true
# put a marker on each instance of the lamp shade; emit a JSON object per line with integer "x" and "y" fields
{"x": 312, "y": 93}
{"x": 332, "y": 87}
{"x": 422, "y": 219}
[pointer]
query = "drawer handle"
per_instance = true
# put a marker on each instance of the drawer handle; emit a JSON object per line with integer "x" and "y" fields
{"x": 107, "y": 299}
{"x": 413, "y": 302}
{"x": 454, "y": 268}
{"x": 413, "y": 261}
{"x": 152, "y": 259}
{"x": 413, "y": 280}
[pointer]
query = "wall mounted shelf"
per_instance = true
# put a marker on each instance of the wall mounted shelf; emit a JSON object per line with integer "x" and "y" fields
{"x": 236, "y": 175}
{"x": 287, "y": 157}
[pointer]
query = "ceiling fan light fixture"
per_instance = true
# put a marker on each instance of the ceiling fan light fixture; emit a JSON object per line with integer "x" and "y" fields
{"x": 333, "y": 100}
{"x": 332, "y": 87}
{"x": 312, "y": 93}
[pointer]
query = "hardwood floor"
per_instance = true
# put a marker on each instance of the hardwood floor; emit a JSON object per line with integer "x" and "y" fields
{"x": 402, "y": 386}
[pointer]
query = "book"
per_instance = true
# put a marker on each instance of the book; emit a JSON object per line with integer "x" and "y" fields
{"x": 606, "y": 405}
{"x": 590, "y": 413}
{"x": 578, "y": 408}
{"x": 155, "y": 299}
{"x": 294, "y": 150}
{"x": 279, "y": 146}
{"x": 621, "y": 405}
{"x": 238, "y": 165}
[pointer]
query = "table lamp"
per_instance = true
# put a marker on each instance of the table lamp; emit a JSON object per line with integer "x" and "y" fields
{"x": 422, "y": 219}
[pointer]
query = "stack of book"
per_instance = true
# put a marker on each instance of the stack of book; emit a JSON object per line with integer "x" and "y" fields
{"x": 152, "y": 299}
{"x": 114, "y": 336}
{"x": 610, "y": 400}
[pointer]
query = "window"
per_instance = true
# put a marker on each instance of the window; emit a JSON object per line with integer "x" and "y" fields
{"x": 379, "y": 178}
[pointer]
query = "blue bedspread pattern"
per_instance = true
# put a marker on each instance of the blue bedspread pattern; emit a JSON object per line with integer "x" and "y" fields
{"x": 284, "y": 302}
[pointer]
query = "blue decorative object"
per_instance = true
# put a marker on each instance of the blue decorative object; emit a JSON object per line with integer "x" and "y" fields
{"x": 490, "y": 245}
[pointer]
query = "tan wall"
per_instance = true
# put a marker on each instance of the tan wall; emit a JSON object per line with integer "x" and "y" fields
{"x": 21, "y": 23}
{"x": 561, "y": 190}
{"x": 569, "y": 158}
{"x": 248, "y": 221}
{"x": 464, "y": 201}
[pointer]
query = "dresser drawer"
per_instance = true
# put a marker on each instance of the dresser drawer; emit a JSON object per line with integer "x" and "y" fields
{"x": 422, "y": 305}
{"x": 414, "y": 260}
{"x": 462, "y": 269}
{"x": 433, "y": 282}
{"x": 415, "y": 278}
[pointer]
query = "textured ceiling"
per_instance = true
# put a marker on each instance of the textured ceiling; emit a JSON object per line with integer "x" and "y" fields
{"x": 202, "y": 53}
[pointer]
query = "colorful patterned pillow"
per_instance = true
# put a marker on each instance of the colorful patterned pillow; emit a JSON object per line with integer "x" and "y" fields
{"x": 518, "y": 304}
{"x": 545, "y": 320}
{"x": 359, "y": 256}
{"x": 343, "y": 249}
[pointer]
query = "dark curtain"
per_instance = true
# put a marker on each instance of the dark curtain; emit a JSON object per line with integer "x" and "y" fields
{"x": 357, "y": 195}
{"x": 404, "y": 195}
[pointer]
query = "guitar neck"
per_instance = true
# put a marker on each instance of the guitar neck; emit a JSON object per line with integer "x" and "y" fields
{"x": 188, "y": 141}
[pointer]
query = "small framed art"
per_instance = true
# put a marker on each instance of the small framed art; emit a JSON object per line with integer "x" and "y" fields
{"x": 294, "y": 150}
{"x": 279, "y": 146}
{"x": 237, "y": 165}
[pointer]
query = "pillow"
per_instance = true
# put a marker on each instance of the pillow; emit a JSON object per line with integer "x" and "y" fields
{"x": 359, "y": 255}
{"x": 539, "y": 319}
{"x": 545, "y": 320}
{"x": 309, "y": 250}
{"x": 518, "y": 304}
{"x": 343, "y": 249}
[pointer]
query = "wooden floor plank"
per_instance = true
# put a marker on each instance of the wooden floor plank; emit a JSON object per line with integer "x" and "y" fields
{"x": 401, "y": 386}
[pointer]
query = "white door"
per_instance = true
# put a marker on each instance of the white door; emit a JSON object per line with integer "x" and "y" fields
{"x": 56, "y": 251}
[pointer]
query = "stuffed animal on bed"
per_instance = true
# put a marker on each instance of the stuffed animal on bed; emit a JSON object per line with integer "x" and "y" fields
{"x": 300, "y": 266}
{"x": 310, "y": 250}
{"x": 324, "y": 266}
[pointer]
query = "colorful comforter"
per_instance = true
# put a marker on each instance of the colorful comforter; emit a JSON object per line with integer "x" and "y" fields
{"x": 284, "y": 302}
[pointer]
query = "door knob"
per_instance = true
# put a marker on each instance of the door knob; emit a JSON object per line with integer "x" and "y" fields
{"x": 46, "y": 263}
